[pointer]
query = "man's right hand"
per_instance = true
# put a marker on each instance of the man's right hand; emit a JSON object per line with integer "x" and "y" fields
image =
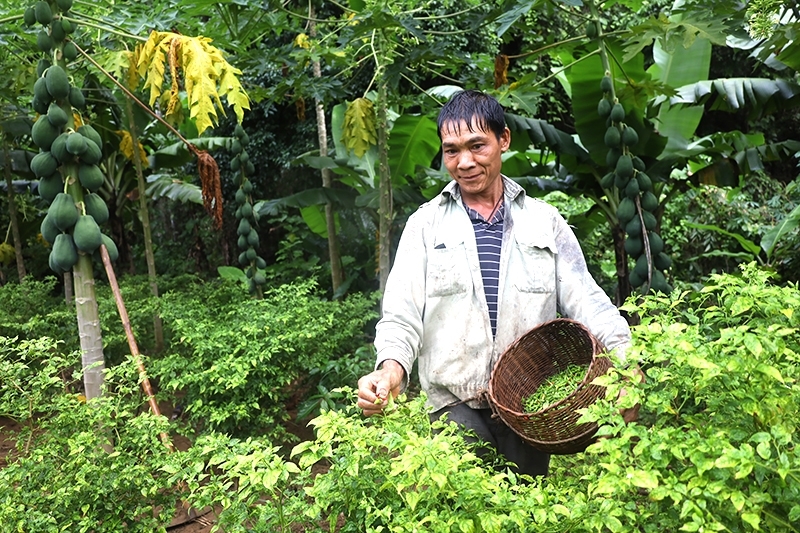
{"x": 374, "y": 388}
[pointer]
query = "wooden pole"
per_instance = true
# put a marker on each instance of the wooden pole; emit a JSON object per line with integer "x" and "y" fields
{"x": 126, "y": 323}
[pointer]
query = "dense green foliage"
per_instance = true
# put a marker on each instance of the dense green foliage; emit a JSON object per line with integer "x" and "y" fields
{"x": 237, "y": 360}
{"x": 714, "y": 449}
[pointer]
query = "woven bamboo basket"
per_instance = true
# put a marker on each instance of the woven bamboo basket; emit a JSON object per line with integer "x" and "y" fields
{"x": 539, "y": 354}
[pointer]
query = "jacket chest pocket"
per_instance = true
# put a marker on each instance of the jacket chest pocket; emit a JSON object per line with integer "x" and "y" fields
{"x": 448, "y": 271}
{"x": 536, "y": 269}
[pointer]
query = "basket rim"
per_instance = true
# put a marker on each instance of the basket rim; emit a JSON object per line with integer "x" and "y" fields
{"x": 583, "y": 383}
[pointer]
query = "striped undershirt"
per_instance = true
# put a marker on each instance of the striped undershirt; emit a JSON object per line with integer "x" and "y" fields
{"x": 489, "y": 238}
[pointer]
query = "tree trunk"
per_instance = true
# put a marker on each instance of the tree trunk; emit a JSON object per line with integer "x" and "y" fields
{"x": 385, "y": 215}
{"x": 144, "y": 216}
{"x": 12, "y": 208}
{"x": 337, "y": 275}
{"x": 89, "y": 328}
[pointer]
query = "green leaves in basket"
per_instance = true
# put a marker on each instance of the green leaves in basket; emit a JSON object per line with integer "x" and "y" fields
{"x": 555, "y": 388}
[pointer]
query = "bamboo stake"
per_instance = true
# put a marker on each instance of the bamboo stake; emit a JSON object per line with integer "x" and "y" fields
{"x": 126, "y": 323}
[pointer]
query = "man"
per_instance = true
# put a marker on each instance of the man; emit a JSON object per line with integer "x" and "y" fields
{"x": 477, "y": 267}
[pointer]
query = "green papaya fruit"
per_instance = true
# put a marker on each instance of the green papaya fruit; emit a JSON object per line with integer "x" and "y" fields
{"x": 247, "y": 186}
{"x": 64, "y": 5}
{"x": 621, "y": 182}
{"x": 247, "y": 210}
{"x": 86, "y": 234}
{"x": 662, "y": 261}
{"x": 49, "y": 230}
{"x": 241, "y": 197}
{"x": 41, "y": 66}
{"x": 632, "y": 189}
{"x": 260, "y": 278}
{"x": 245, "y": 139}
{"x": 629, "y": 137}
{"x": 50, "y": 186}
{"x": 91, "y": 177}
{"x": 261, "y": 263}
{"x": 54, "y": 267}
{"x": 624, "y": 166}
{"x": 656, "y": 243}
{"x": 612, "y": 137}
{"x": 604, "y": 108}
{"x": 57, "y": 32}
{"x": 92, "y": 154}
{"x": 68, "y": 26}
{"x": 64, "y": 253}
{"x": 649, "y": 201}
{"x": 591, "y": 30}
{"x": 642, "y": 267}
{"x": 251, "y": 168}
{"x": 243, "y": 259}
{"x": 244, "y": 157}
{"x": 76, "y": 144}
{"x": 251, "y": 254}
{"x": 43, "y": 41}
{"x": 43, "y": 133}
{"x": 43, "y": 164}
{"x": 70, "y": 51}
{"x": 626, "y": 210}
{"x": 76, "y": 98}
{"x": 29, "y": 16}
{"x": 40, "y": 91}
{"x": 238, "y": 130}
{"x": 96, "y": 207}
{"x": 59, "y": 149}
{"x": 638, "y": 164}
{"x": 244, "y": 227}
{"x": 42, "y": 12}
{"x": 56, "y": 115}
{"x": 607, "y": 181}
{"x": 90, "y": 133}
{"x": 57, "y": 82}
{"x": 236, "y": 164}
{"x": 635, "y": 279}
{"x": 242, "y": 242}
{"x": 113, "y": 252}
{"x": 612, "y": 157}
{"x": 39, "y": 106}
{"x": 659, "y": 283}
{"x": 252, "y": 238}
{"x": 649, "y": 220}
{"x": 634, "y": 246}
{"x": 63, "y": 212}
{"x": 236, "y": 147}
{"x": 617, "y": 113}
{"x": 634, "y": 227}
{"x": 645, "y": 183}
{"x": 606, "y": 85}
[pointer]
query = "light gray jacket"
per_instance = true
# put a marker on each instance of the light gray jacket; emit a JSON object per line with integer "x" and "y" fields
{"x": 434, "y": 307}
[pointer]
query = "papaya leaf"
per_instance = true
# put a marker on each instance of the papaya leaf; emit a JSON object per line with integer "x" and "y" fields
{"x": 164, "y": 186}
{"x": 126, "y": 146}
{"x": 359, "y": 130}
{"x": 207, "y": 76}
{"x": 745, "y": 243}
{"x": 771, "y": 238}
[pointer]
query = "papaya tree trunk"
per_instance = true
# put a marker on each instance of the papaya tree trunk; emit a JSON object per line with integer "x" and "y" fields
{"x": 385, "y": 215}
{"x": 144, "y": 216}
{"x": 91, "y": 338}
{"x": 337, "y": 275}
{"x": 12, "y": 208}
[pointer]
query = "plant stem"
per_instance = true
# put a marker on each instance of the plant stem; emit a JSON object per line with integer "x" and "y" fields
{"x": 105, "y": 28}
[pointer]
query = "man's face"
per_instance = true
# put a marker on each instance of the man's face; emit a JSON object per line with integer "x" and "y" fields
{"x": 473, "y": 158}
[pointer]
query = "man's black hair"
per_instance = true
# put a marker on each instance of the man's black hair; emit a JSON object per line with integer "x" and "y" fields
{"x": 487, "y": 113}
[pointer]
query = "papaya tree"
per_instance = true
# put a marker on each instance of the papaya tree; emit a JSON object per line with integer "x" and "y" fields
{"x": 67, "y": 164}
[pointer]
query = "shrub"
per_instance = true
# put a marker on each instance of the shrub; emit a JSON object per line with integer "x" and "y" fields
{"x": 237, "y": 359}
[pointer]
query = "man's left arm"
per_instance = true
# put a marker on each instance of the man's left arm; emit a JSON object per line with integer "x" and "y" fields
{"x": 581, "y": 298}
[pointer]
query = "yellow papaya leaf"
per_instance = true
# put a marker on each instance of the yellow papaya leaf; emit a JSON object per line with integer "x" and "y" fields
{"x": 207, "y": 76}
{"x": 301, "y": 41}
{"x": 126, "y": 146}
{"x": 358, "y": 131}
